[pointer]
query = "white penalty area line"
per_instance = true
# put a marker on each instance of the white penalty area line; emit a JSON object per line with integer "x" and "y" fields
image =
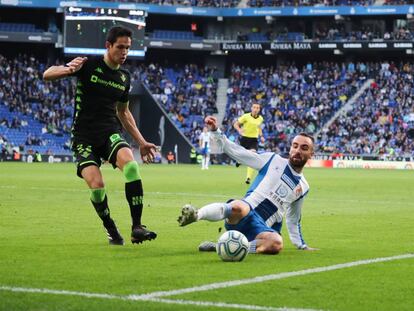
{"x": 154, "y": 300}
{"x": 271, "y": 277}
{"x": 155, "y": 296}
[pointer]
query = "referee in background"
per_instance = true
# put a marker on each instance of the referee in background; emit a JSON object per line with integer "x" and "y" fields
{"x": 249, "y": 128}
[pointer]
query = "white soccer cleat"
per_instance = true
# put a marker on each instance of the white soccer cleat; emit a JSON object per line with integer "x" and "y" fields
{"x": 188, "y": 215}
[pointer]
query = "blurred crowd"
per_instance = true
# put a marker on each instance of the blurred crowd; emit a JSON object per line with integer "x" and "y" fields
{"x": 199, "y": 3}
{"x": 293, "y": 99}
{"x": 380, "y": 120}
{"x": 281, "y": 3}
{"x": 188, "y": 93}
{"x": 257, "y": 3}
{"x": 337, "y": 33}
{"x": 25, "y": 96}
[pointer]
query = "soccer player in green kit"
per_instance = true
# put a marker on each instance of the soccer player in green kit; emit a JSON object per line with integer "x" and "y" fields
{"x": 101, "y": 108}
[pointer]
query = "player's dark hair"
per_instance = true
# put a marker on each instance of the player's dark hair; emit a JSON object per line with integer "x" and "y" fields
{"x": 308, "y": 136}
{"x": 118, "y": 31}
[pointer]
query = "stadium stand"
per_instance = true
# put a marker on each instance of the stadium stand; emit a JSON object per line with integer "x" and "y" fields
{"x": 175, "y": 35}
{"x": 200, "y": 3}
{"x": 293, "y": 99}
{"x": 259, "y": 3}
{"x": 19, "y": 27}
{"x": 187, "y": 93}
{"x": 281, "y": 3}
{"x": 378, "y": 122}
{"x": 32, "y": 116}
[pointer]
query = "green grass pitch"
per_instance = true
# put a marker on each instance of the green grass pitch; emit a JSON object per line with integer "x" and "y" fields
{"x": 50, "y": 238}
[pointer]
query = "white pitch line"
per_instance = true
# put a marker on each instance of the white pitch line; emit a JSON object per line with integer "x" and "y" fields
{"x": 57, "y": 292}
{"x": 189, "y": 195}
{"x": 269, "y": 277}
{"x": 154, "y": 300}
{"x": 154, "y": 296}
{"x": 225, "y": 305}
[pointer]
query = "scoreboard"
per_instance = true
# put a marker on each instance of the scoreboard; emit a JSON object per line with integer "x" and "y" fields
{"x": 86, "y": 29}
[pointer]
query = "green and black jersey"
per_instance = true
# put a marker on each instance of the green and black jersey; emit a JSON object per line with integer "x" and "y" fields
{"x": 98, "y": 90}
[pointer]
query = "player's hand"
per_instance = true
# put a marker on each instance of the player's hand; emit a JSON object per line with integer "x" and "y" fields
{"x": 211, "y": 123}
{"x": 147, "y": 151}
{"x": 76, "y": 64}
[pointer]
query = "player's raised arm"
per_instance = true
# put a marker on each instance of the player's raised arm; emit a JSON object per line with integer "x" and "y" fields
{"x": 58, "y": 72}
{"x": 236, "y": 152}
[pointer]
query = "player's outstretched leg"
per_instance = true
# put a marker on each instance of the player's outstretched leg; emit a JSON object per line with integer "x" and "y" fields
{"x": 134, "y": 195}
{"x": 210, "y": 212}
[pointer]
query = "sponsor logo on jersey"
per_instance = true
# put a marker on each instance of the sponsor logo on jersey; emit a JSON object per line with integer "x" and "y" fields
{"x": 299, "y": 191}
{"x": 288, "y": 181}
{"x": 276, "y": 199}
{"x": 96, "y": 79}
{"x": 282, "y": 191}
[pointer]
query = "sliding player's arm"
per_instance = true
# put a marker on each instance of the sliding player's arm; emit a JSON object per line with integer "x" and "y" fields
{"x": 293, "y": 218}
{"x": 236, "y": 152}
{"x": 240, "y": 154}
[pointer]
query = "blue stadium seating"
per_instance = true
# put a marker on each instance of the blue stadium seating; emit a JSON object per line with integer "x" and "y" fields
{"x": 175, "y": 35}
{"x": 19, "y": 27}
{"x": 54, "y": 143}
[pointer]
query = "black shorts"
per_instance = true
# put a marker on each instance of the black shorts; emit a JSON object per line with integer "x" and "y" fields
{"x": 88, "y": 154}
{"x": 248, "y": 143}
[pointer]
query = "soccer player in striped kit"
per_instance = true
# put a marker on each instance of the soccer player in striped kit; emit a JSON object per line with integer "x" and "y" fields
{"x": 205, "y": 148}
{"x": 278, "y": 190}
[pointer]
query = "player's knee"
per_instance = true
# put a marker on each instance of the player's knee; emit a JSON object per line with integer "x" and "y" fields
{"x": 96, "y": 183}
{"x": 131, "y": 171}
{"x": 239, "y": 208}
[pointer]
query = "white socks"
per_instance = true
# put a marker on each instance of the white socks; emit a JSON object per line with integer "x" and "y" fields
{"x": 205, "y": 162}
{"x": 252, "y": 247}
{"x": 214, "y": 212}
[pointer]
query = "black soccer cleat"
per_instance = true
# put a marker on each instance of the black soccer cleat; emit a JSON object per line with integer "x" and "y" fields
{"x": 207, "y": 246}
{"x": 140, "y": 234}
{"x": 247, "y": 181}
{"x": 237, "y": 164}
{"x": 114, "y": 237}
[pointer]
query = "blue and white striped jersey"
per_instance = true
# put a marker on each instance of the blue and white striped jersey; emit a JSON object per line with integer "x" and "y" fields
{"x": 277, "y": 190}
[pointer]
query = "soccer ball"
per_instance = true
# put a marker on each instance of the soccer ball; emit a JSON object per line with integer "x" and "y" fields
{"x": 232, "y": 246}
